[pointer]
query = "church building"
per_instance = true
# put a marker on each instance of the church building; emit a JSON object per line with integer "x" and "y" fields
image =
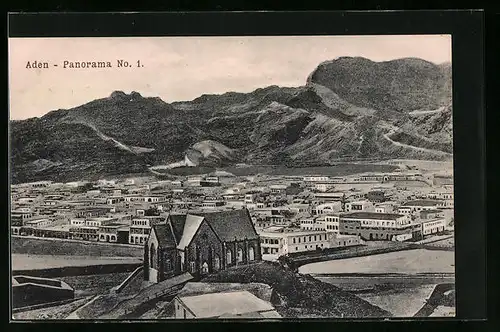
{"x": 200, "y": 244}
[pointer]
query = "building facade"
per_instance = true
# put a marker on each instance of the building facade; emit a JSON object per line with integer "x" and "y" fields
{"x": 200, "y": 244}
{"x": 375, "y": 226}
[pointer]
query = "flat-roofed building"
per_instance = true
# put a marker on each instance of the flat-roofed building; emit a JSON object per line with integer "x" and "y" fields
{"x": 359, "y": 206}
{"x": 315, "y": 178}
{"x": 332, "y": 223}
{"x": 309, "y": 224}
{"x": 375, "y": 226}
{"x": 415, "y": 206}
{"x": 38, "y": 222}
{"x": 109, "y": 232}
{"x": 339, "y": 241}
{"x": 303, "y": 241}
{"x": 329, "y": 197}
{"x": 83, "y": 232}
{"x": 431, "y": 214}
{"x": 385, "y": 208}
{"x": 141, "y": 227}
{"x": 223, "y": 305}
{"x": 271, "y": 242}
{"x": 324, "y": 186}
{"x": 326, "y": 208}
{"x": 433, "y": 226}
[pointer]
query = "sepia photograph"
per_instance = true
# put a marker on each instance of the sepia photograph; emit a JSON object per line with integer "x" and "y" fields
{"x": 231, "y": 177}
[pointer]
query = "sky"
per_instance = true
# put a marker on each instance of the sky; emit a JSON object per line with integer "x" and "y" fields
{"x": 183, "y": 68}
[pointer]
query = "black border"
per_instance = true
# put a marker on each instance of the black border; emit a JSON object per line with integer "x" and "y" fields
{"x": 467, "y": 29}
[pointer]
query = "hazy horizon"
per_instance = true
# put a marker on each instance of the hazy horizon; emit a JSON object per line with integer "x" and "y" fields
{"x": 176, "y": 70}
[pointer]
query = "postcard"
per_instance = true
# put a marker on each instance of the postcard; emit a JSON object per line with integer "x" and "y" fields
{"x": 231, "y": 177}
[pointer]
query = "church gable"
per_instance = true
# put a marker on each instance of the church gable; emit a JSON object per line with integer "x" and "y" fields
{"x": 162, "y": 235}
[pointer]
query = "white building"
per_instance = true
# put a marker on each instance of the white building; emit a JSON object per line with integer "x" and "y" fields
{"x": 375, "y": 226}
{"x": 330, "y": 197}
{"x": 433, "y": 226}
{"x": 323, "y": 186}
{"x": 311, "y": 224}
{"x": 315, "y": 178}
{"x": 332, "y": 223}
{"x": 384, "y": 208}
{"x": 359, "y": 206}
{"x": 327, "y": 208}
{"x": 339, "y": 241}
{"x": 416, "y": 206}
{"x": 38, "y": 222}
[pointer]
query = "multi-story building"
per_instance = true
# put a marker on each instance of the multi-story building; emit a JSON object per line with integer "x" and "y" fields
{"x": 271, "y": 243}
{"x": 213, "y": 203}
{"x": 431, "y": 214}
{"x": 38, "y": 222}
{"x": 433, "y": 226}
{"x": 358, "y": 206}
{"x": 369, "y": 178}
{"x": 375, "y": 226}
{"x": 110, "y": 233}
{"x": 332, "y": 223}
{"x": 141, "y": 227}
{"x": 83, "y": 232}
{"x": 327, "y": 208}
{"x": 418, "y": 205}
{"x": 315, "y": 178}
{"x": 311, "y": 224}
{"x": 329, "y": 197}
{"x": 284, "y": 243}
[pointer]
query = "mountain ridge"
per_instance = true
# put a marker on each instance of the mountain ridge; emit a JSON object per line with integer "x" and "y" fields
{"x": 317, "y": 123}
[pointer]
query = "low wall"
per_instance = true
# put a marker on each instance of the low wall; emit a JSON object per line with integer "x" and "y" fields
{"x": 48, "y": 246}
{"x": 80, "y": 270}
{"x": 297, "y": 261}
{"x": 131, "y": 277}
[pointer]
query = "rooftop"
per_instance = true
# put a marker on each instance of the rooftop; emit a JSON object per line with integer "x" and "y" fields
{"x": 372, "y": 215}
{"x": 227, "y": 303}
{"x": 421, "y": 202}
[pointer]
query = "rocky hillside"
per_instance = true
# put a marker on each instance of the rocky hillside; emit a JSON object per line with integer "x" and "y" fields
{"x": 402, "y": 85}
{"x": 350, "y": 108}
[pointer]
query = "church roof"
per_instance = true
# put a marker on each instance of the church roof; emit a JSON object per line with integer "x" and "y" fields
{"x": 178, "y": 221}
{"x": 231, "y": 225}
{"x": 190, "y": 228}
{"x": 164, "y": 236}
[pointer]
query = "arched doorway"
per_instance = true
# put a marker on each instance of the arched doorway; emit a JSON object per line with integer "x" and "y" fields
{"x": 371, "y": 236}
{"x": 251, "y": 254}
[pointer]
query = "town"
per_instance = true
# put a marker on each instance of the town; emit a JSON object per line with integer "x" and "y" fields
{"x": 198, "y": 225}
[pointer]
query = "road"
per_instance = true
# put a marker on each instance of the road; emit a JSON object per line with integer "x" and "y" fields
{"x": 393, "y": 130}
{"x": 427, "y": 112}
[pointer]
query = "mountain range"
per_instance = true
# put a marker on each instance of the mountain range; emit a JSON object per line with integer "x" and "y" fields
{"x": 348, "y": 109}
